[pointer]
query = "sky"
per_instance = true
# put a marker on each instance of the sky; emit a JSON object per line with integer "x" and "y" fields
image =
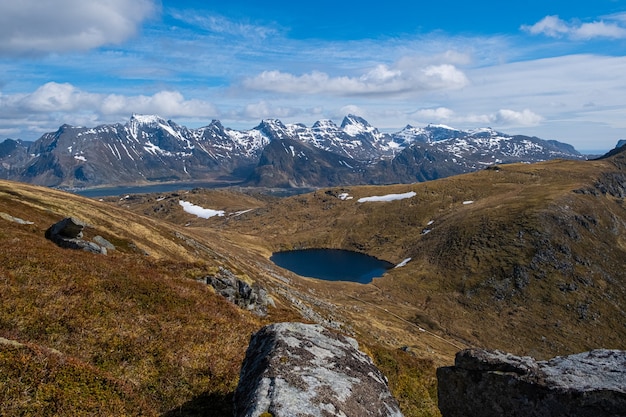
{"x": 551, "y": 69}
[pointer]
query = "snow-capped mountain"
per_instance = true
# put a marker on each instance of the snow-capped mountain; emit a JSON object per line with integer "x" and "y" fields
{"x": 149, "y": 148}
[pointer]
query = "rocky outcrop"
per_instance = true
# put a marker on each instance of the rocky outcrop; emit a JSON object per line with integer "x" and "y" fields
{"x": 249, "y": 297}
{"x": 68, "y": 233}
{"x": 492, "y": 383}
{"x": 295, "y": 369}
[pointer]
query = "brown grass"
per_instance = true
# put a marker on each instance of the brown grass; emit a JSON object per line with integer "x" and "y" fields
{"x": 530, "y": 267}
{"x": 139, "y": 320}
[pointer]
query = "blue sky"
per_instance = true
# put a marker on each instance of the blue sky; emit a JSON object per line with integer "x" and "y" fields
{"x": 552, "y": 69}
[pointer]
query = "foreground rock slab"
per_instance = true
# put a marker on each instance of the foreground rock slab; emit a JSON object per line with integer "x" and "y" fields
{"x": 492, "y": 383}
{"x": 295, "y": 369}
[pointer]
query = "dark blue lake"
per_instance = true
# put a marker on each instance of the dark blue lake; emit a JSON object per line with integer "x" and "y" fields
{"x": 332, "y": 264}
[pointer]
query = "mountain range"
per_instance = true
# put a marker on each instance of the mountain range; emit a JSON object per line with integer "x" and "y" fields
{"x": 150, "y": 149}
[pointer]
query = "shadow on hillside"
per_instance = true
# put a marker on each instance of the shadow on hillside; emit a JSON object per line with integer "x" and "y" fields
{"x": 210, "y": 405}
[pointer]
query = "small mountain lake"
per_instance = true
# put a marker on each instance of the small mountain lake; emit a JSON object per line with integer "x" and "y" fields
{"x": 332, "y": 264}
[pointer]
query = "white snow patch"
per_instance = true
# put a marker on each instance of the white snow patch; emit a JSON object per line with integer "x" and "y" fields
{"x": 401, "y": 264}
{"x": 388, "y": 197}
{"x": 160, "y": 199}
{"x": 430, "y": 222}
{"x": 80, "y": 158}
{"x": 468, "y": 202}
{"x": 345, "y": 196}
{"x": 200, "y": 211}
{"x": 239, "y": 213}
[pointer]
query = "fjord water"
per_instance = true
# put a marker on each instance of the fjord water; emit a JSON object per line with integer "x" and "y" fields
{"x": 332, "y": 264}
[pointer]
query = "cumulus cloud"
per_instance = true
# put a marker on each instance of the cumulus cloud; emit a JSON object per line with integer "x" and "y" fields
{"x": 402, "y": 77}
{"x": 502, "y": 117}
{"x": 264, "y": 110}
{"x": 165, "y": 103}
{"x": 53, "y": 104}
{"x": 440, "y": 114}
{"x": 518, "y": 118}
{"x": 36, "y": 27}
{"x": 555, "y": 27}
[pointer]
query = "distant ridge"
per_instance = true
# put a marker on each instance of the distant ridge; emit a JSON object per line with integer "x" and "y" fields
{"x": 148, "y": 149}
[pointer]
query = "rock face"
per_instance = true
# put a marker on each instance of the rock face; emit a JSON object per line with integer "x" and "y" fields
{"x": 249, "y": 297}
{"x": 492, "y": 383}
{"x": 149, "y": 148}
{"x": 295, "y": 369}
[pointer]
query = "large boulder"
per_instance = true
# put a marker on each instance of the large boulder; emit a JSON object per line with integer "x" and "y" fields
{"x": 494, "y": 384}
{"x": 295, "y": 369}
{"x": 68, "y": 233}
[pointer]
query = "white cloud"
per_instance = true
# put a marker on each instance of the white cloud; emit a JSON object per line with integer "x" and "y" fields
{"x": 53, "y": 104}
{"x": 264, "y": 110}
{"x": 66, "y": 98}
{"x": 555, "y": 27}
{"x": 35, "y": 26}
{"x": 55, "y": 97}
{"x": 502, "y": 117}
{"x": 403, "y": 77}
{"x": 164, "y": 103}
{"x": 517, "y": 118}
{"x": 440, "y": 114}
{"x": 221, "y": 25}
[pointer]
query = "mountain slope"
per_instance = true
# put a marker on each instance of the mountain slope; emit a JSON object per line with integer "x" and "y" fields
{"x": 138, "y": 331}
{"x": 129, "y": 333}
{"x": 526, "y": 258}
{"x": 289, "y": 163}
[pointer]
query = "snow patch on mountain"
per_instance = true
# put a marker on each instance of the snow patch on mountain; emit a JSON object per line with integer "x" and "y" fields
{"x": 199, "y": 210}
{"x": 387, "y": 197}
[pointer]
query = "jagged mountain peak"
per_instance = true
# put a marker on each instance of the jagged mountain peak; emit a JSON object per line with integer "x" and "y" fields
{"x": 324, "y": 124}
{"x": 273, "y": 129}
{"x": 146, "y": 118}
{"x": 149, "y": 148}
{"x": 351, "y": 121}
{"x": 440, "y": 126}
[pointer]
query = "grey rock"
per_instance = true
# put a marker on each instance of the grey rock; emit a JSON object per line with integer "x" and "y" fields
{"x": 105, "y": 244}
{"x": 249, "y": 297}
{"x": 493, "y": 383}
{"x": 68, "y": 233}
{"x": 295, "y": 369}
{"x": 70, "y": 227}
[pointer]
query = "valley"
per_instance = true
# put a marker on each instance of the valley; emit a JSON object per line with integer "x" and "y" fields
{"x": 526, "y": 258}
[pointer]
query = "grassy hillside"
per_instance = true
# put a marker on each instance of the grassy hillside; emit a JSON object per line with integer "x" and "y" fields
{"x": 525, "y": 258}
{"x": 124, "y": 334}
{"x": 135, "y": 332}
